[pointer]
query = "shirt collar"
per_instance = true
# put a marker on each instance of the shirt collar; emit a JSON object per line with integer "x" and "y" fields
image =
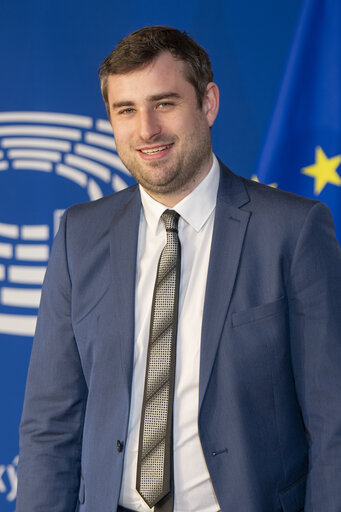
{"x": 194, "y": 209}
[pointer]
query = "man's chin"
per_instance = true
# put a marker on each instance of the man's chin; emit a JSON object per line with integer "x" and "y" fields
{"x": 159, "y": 187}
{"x": 159, "y": 180}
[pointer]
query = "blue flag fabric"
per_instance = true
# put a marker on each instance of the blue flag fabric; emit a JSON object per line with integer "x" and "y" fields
{"x": 302, "y": 151}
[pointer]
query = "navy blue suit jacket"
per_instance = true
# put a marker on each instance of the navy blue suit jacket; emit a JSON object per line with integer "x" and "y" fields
{"x": 270, "y": 373}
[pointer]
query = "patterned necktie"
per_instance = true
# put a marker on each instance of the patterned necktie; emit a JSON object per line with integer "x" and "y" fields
{"x": 155, "y": 454}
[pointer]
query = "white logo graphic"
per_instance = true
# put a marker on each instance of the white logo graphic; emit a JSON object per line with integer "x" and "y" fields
{"x": 48, "y": 161}
{"x": 9, "y": 480}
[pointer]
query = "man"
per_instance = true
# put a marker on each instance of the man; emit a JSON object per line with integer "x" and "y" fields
{"x": 254, "y": 320}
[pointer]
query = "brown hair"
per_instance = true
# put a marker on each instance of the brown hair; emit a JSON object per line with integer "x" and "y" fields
{"x": 142, "y": 46}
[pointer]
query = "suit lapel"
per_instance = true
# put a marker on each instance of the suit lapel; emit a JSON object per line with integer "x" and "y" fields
{"x": 228, "y": 235}
{"x": 123, "y": 250}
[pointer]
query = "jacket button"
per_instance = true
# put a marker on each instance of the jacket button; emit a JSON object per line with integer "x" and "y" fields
{"x": 119, "y": 446}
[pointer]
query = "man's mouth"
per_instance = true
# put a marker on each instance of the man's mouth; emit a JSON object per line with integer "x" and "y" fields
{"x": 153, "y": 151}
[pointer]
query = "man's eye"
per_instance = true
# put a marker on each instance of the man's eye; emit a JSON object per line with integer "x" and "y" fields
{"x": 127, "y": 111}
{"x": 164, "y": 105}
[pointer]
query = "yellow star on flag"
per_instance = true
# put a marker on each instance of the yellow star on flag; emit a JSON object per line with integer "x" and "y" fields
{"x": 323, "y": 170}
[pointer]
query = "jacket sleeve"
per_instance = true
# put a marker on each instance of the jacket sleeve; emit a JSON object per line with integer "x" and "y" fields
{"x": 56, "y": 393}
{"x": 315, "y": 331}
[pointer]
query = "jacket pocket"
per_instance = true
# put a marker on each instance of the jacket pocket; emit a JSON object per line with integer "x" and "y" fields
{"x": 81, "y": 494}
{"x": 293, "y": 497}
{"x": 258, "y": 312}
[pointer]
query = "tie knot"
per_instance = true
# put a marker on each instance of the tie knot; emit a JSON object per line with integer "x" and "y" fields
{"x": 170, "y": 220}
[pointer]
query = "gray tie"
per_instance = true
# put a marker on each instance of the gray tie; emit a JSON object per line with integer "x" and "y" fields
{"x": 155, "y": 454}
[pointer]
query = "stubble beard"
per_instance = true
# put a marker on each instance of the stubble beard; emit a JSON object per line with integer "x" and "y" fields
{"x": 182, "y": 174}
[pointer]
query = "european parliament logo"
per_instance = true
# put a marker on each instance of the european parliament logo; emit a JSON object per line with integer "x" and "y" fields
{"x": 48, "y": 161}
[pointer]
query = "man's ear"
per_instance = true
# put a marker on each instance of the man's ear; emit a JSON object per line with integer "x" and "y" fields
{"x": 210, "y": 104}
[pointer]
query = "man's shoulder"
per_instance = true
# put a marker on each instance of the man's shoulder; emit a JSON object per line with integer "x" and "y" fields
{"x": 95, "y": 218}
{"x": 110, "y": 203}
{"x": 273, "y": 212}
{"x": 265, "y": 195}
{"x": 264, "y": 198}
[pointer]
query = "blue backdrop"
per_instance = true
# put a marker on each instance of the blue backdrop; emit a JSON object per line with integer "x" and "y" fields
{"x": 56, "y": 147}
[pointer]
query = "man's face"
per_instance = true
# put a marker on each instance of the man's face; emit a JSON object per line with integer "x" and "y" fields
{"x": 161, "y": 133}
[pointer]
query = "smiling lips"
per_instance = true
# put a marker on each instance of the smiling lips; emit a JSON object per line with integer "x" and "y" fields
{"x": 155, "y": 150}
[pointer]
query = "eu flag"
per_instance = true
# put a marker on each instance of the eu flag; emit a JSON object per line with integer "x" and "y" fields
{"x": 302, "y": 151}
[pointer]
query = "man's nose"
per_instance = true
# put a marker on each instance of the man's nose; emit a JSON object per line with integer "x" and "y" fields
{"x": 150, "y": 125}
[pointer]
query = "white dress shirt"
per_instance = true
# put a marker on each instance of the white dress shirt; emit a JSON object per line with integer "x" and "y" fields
{"x": 193, "y": 487}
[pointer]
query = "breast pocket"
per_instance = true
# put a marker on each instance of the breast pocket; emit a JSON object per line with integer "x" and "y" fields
{"x": 258, "y": 313}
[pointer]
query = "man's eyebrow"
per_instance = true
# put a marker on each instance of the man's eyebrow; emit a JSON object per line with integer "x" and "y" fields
{"x": 124, "y": 103}
{"x": 163, "y": 96}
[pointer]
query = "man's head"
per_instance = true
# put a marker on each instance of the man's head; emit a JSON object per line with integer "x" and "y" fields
{"x": 161, "y": 122}
{"x": 141, "y": 47}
